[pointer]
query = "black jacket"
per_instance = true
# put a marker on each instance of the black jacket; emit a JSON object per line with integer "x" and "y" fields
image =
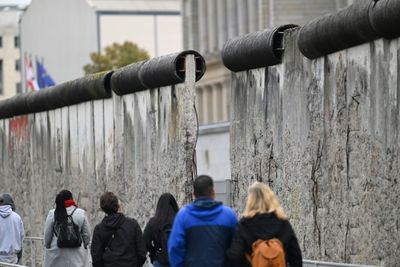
{"x": 118, "y": 242}
{"x": 263, "y": 226}
{"x": 152, "y": 238}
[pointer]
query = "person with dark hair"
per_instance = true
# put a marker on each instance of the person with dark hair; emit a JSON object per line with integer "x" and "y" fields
{"x": 202, "y": 230}
{"x": 66, "y": 208}
{"x": 158, "y": 228}
{"x": 8, "y": 200}
{"x": 11, "y": 232}
{"x": 117, "y": 240}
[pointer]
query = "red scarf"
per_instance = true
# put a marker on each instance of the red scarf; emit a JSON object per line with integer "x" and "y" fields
{"x": 69, "y": 203}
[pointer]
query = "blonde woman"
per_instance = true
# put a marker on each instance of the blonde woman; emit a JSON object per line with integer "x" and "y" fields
{"x": 263, "y": 219}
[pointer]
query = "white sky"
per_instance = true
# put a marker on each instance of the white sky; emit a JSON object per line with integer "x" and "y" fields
{"x": 14, "y": 2}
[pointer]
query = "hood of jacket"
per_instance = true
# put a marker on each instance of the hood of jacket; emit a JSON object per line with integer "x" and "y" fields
{"x": 5, "y": 211}
{"x": 113, "y": 221}
{"x": 205, "y": 208}
{"x": 264, "y": 224}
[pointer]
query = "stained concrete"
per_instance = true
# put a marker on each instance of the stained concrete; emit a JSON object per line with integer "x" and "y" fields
{"x": 138, "y": 146}
{"x": 324, "y": 134}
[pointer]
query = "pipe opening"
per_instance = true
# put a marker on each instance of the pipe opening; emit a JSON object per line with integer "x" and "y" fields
{"x": 278, "y": 44}
{"x": 107, "y": 82}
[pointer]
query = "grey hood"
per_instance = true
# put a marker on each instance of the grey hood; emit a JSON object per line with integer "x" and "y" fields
{"x": 5, "y": 211}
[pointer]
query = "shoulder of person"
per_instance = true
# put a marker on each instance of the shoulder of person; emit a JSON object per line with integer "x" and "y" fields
{"x": 51, "y": 213}
{"x": 131, "y": 221}
{"x": 151, "y": 223}
{"x": 80, "y": 211}
{"x": 76, "y": 212}
{"x": 183, "y": 210}
{"x": 16, "y": 216}
{"x": 152, "y": 220}
{"x": 229, "y": 211}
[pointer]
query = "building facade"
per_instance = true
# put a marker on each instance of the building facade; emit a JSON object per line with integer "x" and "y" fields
{"x": 10, "y": 65}
{"x": 207, "y": 25}
{"x": 63, "y": 33}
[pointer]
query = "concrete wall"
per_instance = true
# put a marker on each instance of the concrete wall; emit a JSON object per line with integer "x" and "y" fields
{"x": 139, "y": 146}
{"x": 324, "y": 134}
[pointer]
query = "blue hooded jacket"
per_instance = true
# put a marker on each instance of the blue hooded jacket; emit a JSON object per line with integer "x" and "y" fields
{"x": 201, "y": 234}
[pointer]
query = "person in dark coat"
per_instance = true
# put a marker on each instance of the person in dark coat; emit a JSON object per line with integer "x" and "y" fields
{"x": 263, "y": 219}
{"x": 157, "y": 228}
{"x": 117, "y": 240}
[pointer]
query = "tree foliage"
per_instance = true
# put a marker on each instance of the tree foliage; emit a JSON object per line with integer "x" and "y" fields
{"x": 115, "y": 56}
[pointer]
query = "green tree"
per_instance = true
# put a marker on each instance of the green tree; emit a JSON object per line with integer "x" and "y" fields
{"x": 115, "y": 56}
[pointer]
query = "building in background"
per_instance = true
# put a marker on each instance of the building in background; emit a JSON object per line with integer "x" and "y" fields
{"x": 207, "y": 25}
{"x": 10, "y": 64}
{"x": 63, "y": 33}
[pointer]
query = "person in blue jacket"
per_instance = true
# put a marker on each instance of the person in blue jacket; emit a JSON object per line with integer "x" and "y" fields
{"x": 203, "y": 230}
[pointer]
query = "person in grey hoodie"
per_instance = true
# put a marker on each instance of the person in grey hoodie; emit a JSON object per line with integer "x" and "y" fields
{"x": 11, "y": 233}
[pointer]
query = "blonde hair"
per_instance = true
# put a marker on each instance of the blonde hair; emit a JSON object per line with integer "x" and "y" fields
{"x": 261, "y": 199}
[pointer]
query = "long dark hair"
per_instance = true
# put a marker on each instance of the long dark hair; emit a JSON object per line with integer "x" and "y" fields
{"x": 166, "y": 209}
{"x": 60, "y": 213}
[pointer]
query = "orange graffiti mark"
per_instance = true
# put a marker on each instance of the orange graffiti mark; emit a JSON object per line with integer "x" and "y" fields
{"x": 18, "y": 130}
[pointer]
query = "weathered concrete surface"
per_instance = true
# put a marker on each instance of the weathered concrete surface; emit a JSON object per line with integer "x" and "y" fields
{"x": 139, "y": 146}
{"x": 325, "y": 135}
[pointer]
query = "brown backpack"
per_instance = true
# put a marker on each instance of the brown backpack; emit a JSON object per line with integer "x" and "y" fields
{"x": 267, "y": 253}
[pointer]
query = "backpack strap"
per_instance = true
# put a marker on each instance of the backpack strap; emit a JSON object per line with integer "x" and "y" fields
{"x": 68, "y": 215}
{"x": 73, "y": 211}
{"x": 110, "y": 239}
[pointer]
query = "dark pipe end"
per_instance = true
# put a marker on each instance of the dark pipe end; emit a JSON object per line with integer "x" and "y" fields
{"x": 107, "y": 82}
{"x": 199, "y": 62}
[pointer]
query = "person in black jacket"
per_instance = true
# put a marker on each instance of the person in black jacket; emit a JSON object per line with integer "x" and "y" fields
{"x": 157, "y": 229}
{"x": 263, "y": 219}
{"x": 117, "y": 240}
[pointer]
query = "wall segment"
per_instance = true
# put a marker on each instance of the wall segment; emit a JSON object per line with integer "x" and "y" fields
{"x": 324, "y": 134}
{"x": 138, "y": 145}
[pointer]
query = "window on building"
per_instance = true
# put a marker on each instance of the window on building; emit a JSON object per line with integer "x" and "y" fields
{"x": 16, "y": 41}
{"x": 17, "y": 65}
{"x": 1, "y": 77}
{"x": 18, "y": 88}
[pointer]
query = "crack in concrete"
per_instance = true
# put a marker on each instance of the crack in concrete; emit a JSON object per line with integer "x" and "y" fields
{"x": 348, "y": 157}
{"x": 346, "y": 255}
{"x": 315, "y": 167}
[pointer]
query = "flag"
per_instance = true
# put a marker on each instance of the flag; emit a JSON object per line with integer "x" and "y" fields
{"x": 31, "y": 82}
{"x": 43, "y": 78}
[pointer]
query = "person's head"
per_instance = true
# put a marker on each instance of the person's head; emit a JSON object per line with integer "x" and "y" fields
{"x": 167, "y": 207}
{"x": 203, "y": 186}
{"x": 8, "y": 200}
{"x": 261, "y": 199}
{"x": 61, "y": 213}
{"x": 109, "y": 203}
